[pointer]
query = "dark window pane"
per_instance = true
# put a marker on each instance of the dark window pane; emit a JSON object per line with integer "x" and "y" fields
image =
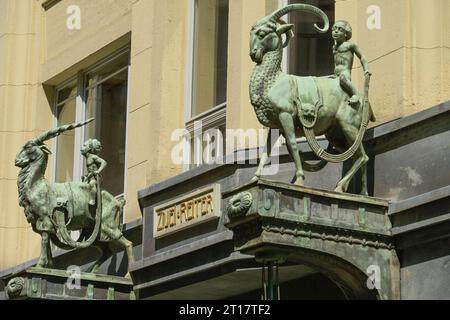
{"x": 311, "y": 53}
{"x": 106, "y": 70}
{"x": 222, "y": 53}
{"x": 210, "y": 55}
{"x": 107, "y": 102}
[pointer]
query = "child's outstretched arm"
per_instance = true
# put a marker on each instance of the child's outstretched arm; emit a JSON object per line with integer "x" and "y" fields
{"x": 359, "y": 53}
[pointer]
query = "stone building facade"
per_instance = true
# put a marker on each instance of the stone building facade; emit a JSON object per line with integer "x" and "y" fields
{"x": 147, "y": 68}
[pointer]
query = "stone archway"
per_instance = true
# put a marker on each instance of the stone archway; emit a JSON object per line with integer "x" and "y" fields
{"x": 349, "y": 278}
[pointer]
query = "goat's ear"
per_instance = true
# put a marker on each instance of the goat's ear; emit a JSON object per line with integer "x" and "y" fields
{"x": 284, "y": 28}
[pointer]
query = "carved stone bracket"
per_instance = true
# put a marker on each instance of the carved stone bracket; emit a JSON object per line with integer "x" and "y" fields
{"x": 340, "y": 235}
{"x": 239, "y": 204}
{"x": 15, "y": 287}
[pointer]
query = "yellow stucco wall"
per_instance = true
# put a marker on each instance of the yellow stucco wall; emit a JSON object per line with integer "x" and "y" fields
{"x": 157, "y": 93}
{"x": 409, "y": 55}
{"x": 21, "y": 117}
{"x": 409, "y": 59}
{"x": 102, "y": 22}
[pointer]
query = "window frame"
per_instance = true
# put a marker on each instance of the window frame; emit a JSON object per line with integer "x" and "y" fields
{"x": 216, "y": 115}
{"x": 80, "y": 79}
{"x": 285, "y": 61}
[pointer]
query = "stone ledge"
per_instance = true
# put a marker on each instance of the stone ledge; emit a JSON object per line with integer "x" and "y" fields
{"x": 312, "y": 191}
{"x": 49, "y": 284}
{"x": 83, "y": 276}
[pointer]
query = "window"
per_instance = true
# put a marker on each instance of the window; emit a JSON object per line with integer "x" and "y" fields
{"x": 99, "y": 92}
{"x": 207, "y": 91}
{"x": 310, "y": 52}
{"x": 66, "y": 114}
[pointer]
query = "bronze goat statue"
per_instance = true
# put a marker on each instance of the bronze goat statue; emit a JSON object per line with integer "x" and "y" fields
{"x": 309, "y": 106}
{"x": 55, "y": 209}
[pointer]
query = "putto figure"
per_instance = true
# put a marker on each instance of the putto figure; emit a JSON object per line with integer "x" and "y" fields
{"x": 95, "y": 165}
{"x": 344, "y": 52}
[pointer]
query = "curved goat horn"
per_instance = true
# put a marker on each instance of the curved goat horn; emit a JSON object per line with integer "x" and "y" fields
{"x": 56, "y": 132}
{"x": 307, "y": 8}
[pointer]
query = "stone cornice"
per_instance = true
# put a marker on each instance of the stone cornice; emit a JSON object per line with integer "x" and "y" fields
{"x": 339, "y": 236}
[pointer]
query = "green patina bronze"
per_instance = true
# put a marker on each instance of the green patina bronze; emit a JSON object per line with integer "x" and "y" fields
{"x": 312, "y": 106}
{"x": 55, "y": 209}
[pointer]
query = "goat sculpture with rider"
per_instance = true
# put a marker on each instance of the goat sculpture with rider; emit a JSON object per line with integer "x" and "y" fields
{"x": 309, "y": 106}
{"x": 54, "y": 209}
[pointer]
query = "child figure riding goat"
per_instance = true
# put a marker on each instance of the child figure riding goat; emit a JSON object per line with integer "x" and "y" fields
{"x": 95, "y": 165}
{"x": 344, "y": 51}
